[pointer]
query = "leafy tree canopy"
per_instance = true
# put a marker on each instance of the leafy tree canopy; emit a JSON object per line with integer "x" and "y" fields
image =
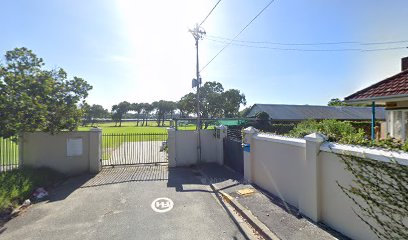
{"x": 93, "y": 112}
{"x": 244, "y": 112}
{"x": 214, "y": 101}
{"x": 33, "y": 98}
{"x": 162, "y": 108}
{"x": 336, "y": 102}
{"x": 119, "y": 110}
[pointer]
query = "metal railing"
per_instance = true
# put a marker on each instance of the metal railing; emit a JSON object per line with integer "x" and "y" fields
{"x": 134, "y": 148}
{"x": 234, "y": 134}
{"x": 9, "y": 154}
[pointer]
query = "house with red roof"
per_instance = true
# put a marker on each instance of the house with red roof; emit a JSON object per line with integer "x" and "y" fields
{"x": 392, "y": 93}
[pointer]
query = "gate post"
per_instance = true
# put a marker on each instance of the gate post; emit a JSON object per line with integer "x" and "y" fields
{"x": 171, "y": 147}
{"x": 249, "y": 133}
{"x": 95, "y": 150}
{"x": 221, "y": 133}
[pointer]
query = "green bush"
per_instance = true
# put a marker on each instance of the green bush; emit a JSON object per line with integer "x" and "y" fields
{"x": 17, "y": 185}
{"x": 333, "y": 129}
{"x": 345, "y": 133}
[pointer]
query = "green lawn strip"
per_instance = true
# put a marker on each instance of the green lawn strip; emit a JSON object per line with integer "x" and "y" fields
{"x": 8, "y": 152}
{"x": 18, "y": 185}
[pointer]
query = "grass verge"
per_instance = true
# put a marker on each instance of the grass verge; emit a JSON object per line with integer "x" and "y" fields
{"x": 18, "y": 185}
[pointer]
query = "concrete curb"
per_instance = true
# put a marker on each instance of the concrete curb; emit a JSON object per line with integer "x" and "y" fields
{"x": 251, "y": 219}
{"x": 261, "y": 228}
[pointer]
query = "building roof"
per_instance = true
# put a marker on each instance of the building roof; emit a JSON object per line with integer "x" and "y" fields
{"x": 395, "y": 86}
{"x": 304, "y": 112}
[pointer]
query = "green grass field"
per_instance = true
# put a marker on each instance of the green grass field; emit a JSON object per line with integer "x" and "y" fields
{"x": 113, "y": 136}
{"x": 127, "y": 127}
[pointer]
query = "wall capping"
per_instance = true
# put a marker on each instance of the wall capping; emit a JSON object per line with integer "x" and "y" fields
{"x": 281, "y": 139}
{"x": 371, "y": 153}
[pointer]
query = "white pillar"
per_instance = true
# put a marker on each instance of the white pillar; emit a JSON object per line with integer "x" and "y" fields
{"x": 249, "y": 149}
{"x": 171, "y": 147}
{"x": 95, "y": 150}
{"x": 221, "y": 133}
{"x": 309, "y": 202}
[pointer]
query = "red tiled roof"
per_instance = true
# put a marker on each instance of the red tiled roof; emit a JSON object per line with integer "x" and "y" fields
{"x": 392, "y": 86}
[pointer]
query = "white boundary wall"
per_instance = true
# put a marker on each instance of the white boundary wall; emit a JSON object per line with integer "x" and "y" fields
{"x": 40, "y": 149}
{"x": 304, "y": 173}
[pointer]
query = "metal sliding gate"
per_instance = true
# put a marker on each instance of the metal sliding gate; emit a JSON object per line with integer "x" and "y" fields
{"x": 233, "y": 152}
{"x": 134, "y": 148}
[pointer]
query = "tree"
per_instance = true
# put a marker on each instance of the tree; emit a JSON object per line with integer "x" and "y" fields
{"x": 118, "y": 111}
{"x": 262, "y": 120}
{"x": 233, "y": 99}
{"x": 85, "y": 107}
{"x": 187, "y": 104}
{"x": 171, "y": 107}
{"x": 336, "y": 102}
{"x": 97, "y": 111}
{"x": 33, "y": 98}
{"x": 162, "y": 108}
{"x": 244, "y": 112}
{"x": 138, "y": 108}
{"x": 147, "y": 109}
{"x": 214, "y": 102}
{"x": 211, "y": 99}
{"x": 158, "y": 105}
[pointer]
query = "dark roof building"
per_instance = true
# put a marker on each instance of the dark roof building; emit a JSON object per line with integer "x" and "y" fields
{"x": 283, "y": 112}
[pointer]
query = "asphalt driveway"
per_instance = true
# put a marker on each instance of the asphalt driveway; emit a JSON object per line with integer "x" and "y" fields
{"x": 116, "y": 204}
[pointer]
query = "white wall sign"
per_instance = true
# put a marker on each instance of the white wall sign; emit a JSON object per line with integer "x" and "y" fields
{"x": 74, "y": 147}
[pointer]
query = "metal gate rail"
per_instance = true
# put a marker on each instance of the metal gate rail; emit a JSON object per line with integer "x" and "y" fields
{"x": 133, "y": 148}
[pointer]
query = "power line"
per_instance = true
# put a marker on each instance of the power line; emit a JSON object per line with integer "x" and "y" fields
{"x": 253, "y": 19}
{"x": 210, "y": 12}
{"x": 311, "y": 50}
{"x": 308, "y": 44}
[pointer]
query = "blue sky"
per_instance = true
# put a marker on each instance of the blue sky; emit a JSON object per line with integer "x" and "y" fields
{"x": 141, "y": 51}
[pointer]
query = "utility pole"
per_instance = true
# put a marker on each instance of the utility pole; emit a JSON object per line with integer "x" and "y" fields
{"x": 198, "y": 33}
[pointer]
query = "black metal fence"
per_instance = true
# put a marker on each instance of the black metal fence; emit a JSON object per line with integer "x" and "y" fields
{"x": 9, "y": 154}
{"x": 134, "y": 148}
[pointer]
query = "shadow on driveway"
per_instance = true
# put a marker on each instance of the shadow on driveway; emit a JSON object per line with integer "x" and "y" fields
{"x": 176, "y": 178}
{"x": 116, "y": 204}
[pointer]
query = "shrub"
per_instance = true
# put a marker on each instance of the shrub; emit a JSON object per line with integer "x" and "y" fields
{"x": 333, "y": 129}
{"x": 345, "y": 133}
{"x": 17, "y": 185}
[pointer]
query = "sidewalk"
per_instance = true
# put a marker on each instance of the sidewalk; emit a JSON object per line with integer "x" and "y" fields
{"x": 280, "y": 218}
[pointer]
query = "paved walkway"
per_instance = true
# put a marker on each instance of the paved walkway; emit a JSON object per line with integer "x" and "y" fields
{"x": 116, "y": 204}
{"x": 282, "y": 219}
